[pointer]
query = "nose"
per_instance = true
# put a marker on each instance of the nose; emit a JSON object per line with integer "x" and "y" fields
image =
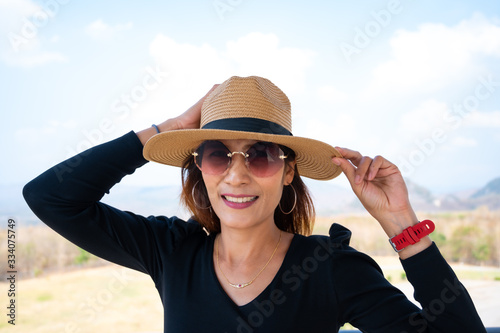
{"x": 245, "y": 155}
{"x": 237, "y": 172}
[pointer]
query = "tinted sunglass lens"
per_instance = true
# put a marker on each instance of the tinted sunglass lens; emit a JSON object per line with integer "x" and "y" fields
{"x": 264, "y": 159}
{"x": 212, "y": 157}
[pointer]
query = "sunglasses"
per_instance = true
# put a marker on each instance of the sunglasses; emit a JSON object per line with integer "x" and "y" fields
{"x": 263, "y": 159}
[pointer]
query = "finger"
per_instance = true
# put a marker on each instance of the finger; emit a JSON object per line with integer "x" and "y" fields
{"x": 348, "y": 169}
{"x": 212, "y": 89}
{"x": 197, "y": 106}
{"x": 352, "y": 155}
{"x": 363, "y": 166}
{"x": 361, "y": 162}
{"x": 375, "y": 166}
{"x": 200, "y": 102}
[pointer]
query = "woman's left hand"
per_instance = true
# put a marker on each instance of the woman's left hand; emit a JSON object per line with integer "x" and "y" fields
{"x": 381, "y": 189}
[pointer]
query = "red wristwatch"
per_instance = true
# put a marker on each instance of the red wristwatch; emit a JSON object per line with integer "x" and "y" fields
{"x": 412, "y": 235}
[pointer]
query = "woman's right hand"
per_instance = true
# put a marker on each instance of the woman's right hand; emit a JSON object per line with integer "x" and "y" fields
{"x": 190, "y": 119}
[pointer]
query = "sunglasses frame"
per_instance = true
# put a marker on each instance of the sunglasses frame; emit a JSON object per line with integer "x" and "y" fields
{"x": 282, "y": 156}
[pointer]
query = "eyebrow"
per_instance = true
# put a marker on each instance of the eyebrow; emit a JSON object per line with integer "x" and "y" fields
{"x": 244, "y": 148}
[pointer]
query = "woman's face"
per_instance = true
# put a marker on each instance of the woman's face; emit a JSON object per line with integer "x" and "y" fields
{"x": 239, "y": 198}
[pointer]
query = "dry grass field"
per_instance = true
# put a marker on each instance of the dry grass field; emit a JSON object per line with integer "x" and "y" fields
{"x": 103, "y": 299}
{"x": 55, "y": 294}
{"x": 470, "y": 237}
{"x": 115, "y": 299}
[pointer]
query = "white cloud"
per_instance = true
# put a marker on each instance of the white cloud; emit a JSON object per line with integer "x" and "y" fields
{"x": 49, "y": 129}
{"x": 21, "y": 22}
{"x": 37, "y": 58}
{"x": 261, "y": 53}
{"x": 496, "y": 137}
{"x": 22, "y": 7}
{"x": 483, "y": 119}
{"x": 189, "y": 64}
{"x": 422, "y": 120}
{"x": 332, "y": 95}
{"x": 253, "y": 54}
{"x": 340, "y": 130}
{"x": 463, "y": 142}
{"x": 102, "y": 31}
{"x": 193, "y": 69}
{"x": 435, "y": 56}
{"x": 29, "y": 52}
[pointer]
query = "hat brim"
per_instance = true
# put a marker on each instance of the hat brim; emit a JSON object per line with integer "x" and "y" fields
{"x": 313, "y": 157}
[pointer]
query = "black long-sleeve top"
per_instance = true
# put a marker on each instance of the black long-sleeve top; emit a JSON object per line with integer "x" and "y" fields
{"x": 322, "y": 283}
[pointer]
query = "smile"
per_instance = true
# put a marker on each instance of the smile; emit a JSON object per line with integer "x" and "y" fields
{"x": 239, "y": 199}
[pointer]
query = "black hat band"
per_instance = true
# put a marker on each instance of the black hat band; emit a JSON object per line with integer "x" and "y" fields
{"x": 246, "y": 124}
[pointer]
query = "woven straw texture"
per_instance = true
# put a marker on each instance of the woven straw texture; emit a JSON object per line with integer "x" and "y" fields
{"x": 250, "y": 97}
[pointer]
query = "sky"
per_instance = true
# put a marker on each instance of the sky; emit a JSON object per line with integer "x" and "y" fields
{"x": 417, "y": 82}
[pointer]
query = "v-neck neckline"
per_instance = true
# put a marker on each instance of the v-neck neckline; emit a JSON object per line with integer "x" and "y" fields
{"x": 266, "y": 289}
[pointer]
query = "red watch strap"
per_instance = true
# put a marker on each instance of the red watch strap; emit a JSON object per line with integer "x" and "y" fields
{"x": 412, "y": 235}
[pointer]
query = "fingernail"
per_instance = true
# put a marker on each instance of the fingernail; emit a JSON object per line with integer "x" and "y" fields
{"x": 336, "y": 161}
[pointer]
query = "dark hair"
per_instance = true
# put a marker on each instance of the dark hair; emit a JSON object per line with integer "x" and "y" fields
{"x": 300, "y": 220}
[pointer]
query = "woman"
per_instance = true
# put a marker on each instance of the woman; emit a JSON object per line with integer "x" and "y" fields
{"x": 245, "y": 261}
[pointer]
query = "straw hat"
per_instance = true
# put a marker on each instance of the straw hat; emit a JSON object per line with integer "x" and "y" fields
{"x": 245, "y": 108}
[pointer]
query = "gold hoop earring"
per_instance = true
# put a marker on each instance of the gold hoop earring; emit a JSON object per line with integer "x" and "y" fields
{"x": 194, "y": 200}
{"x": 294, "y": 203}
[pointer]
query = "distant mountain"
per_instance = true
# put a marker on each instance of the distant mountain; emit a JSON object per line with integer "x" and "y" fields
{"x": 329, "y": 199}
{"x": 421, "y": 198}
{"x": 12, "y": 205}
{"x": 492, "y": 188}
{"x": 147, "y": 200}
{"x": 488, "y": 196}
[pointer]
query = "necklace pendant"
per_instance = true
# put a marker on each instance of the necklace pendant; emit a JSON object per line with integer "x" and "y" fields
{"x": 243, "y": 285}
{"x": 240, "y": 285}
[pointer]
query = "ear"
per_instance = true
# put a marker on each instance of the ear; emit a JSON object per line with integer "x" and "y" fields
{"x": 289, "y": 172}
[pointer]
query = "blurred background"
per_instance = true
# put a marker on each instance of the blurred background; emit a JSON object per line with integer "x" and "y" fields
{"x": 415, "y": 81}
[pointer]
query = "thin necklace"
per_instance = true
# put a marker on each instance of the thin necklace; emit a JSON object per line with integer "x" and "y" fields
{"x": 243, "y": 285}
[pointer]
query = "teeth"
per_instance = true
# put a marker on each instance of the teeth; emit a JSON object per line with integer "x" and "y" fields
{"x": 240, "y": 199}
